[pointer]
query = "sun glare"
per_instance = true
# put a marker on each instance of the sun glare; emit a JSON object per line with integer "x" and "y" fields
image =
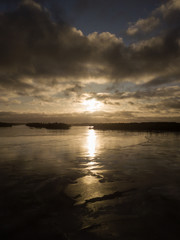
{"x": 92, "y": 105}
{"x": 91, "y": 143}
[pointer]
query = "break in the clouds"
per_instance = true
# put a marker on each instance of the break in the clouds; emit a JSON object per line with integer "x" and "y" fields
{"x": 46, "y": 61}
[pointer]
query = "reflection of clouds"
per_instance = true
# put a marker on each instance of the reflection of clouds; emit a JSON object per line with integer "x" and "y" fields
{"x": 91, "y": 143}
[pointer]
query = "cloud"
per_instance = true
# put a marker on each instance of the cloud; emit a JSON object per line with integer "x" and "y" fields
{"x": 5, "y": 100}
{"x": 170, "y": 106}
{"x": 97, "y": 117}
{"x": 143, "y": 25}
{"x": 65, "y": 117}
{"x": 172, "y": 103}
{"x": 76, "y": 89}
{"x": 170, "y": 10}
{"x": 33, "y": 46}
{"x": 31, "y": 4}
{"x": 159, "y": 99}
{"x": 38, "y": 48}
{"x": 49, "y": 61}
{"x": 162, "y": 80}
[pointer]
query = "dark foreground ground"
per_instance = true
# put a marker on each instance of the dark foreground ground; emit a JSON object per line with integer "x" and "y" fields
{"x": 42, "y": 210}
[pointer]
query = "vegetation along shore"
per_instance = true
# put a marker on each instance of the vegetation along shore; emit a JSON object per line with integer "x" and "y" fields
{"x": 143, "y": 126}
{"x": 49, "y": 125}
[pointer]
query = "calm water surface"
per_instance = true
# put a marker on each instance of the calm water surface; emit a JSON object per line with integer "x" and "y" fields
{"x": 87, "y": 184}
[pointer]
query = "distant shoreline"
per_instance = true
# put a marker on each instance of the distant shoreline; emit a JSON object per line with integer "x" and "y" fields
{"x": 49, "y": 125}
{"x": 134, "y": 126}
{"x": 142, "y": 127}
{"x": 3, "y": 124}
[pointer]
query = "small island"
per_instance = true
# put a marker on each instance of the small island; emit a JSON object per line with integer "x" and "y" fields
{"x": 49, "y": 125}
{"x": 140, "y": 127}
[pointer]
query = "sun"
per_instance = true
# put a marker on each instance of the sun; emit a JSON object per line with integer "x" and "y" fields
{"x": 92, "y": 105}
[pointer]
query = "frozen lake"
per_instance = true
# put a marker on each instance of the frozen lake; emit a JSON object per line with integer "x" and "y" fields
{"x": 88, "y": 184}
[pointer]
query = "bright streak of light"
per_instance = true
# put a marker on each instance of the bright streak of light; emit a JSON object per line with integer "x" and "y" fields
{"x": 91, "y": 143}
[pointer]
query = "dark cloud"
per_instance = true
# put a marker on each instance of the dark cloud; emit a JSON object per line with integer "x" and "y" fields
{"x": 162, "y": 80}
{"x": 32, "y": 45}
{"x": 170, "y": 105}
{"x": 112, "y": 103}
{"x": 165, "y": 92}
{"x": 156, "y": 56}
{"x": 169, "y": 10}
{"x": 35, "y": 46}
{"x": 167, "y": 13}
{"x": 43, "y": 57}
{"x": 77, "y": 89}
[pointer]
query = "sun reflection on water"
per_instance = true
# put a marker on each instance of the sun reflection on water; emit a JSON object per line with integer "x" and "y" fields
{"x": 91, "y": 143}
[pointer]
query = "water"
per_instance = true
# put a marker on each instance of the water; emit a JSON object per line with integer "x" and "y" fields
{"x": 86, "y": 184}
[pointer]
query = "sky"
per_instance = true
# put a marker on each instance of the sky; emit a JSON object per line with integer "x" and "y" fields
{"x": 79, "y": 61}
